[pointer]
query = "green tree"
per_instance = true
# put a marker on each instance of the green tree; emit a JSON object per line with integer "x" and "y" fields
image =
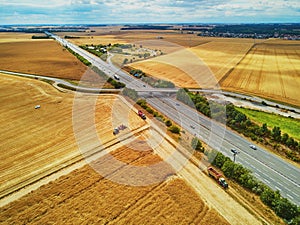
{"x": 228, "y": 168}
{"x": 284, "y": 138}
{"x": 295, "y": 221}
{"x": 168, "y": 123}
{"x": 174, "y": 129}
{"x": 285, "y": 209}
{"x": 276, "y": 134}
{"x": 197, "y": 145}
{"x": 149, "y": 110}
{"x": 220, "y": 159}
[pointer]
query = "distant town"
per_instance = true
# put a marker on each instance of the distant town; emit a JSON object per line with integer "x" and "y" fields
{"x": 256, "y": 31}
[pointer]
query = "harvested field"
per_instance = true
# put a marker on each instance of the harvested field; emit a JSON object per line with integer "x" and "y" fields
{"x": 47, "y": 58}
{"x": 36, "y": 142}
{"x": 18, "y": 37}
{"x": 167, "y": 41}
{"x": 270, "y": 70}
{"x": 207, "y": 63}
{"x": 96, "y": 40}
{"x": 85, "y": 197}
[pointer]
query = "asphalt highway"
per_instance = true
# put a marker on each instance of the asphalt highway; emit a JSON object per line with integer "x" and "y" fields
{"x": 267, "y": 167}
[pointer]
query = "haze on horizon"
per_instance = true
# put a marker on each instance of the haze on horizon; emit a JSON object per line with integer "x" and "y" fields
{"x": 155, "y": 11}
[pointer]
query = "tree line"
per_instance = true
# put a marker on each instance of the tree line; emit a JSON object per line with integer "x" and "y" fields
{"x": 280, "y": 205}
{"x": 240, "y": 122}
{"x": 171, "y": 127}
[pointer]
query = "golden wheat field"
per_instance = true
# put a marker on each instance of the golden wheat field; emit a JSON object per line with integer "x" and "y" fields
{"x": 44, "y": 57}
{"x": 85, "y": 197}
{"x": 202, "y": 66}
{"x": 271, "y": 70}
{"x": 36, "y": 142}
{"x": 17, "y": 37}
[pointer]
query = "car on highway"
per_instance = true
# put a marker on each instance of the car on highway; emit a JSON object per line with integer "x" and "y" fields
{"x": 192, "y": 126}
{"x": 253, "y": 147}
{"x": 234, "y": 151}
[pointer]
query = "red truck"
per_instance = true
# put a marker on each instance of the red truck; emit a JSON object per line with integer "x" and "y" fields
{"x": 141, "y": 114}
{"x": 217, "y": 176}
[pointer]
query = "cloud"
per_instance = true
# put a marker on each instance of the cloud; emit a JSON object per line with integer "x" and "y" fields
{"x": 124, "y": 11}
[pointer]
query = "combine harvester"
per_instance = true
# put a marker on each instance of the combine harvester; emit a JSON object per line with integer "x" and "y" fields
{"x": 217, "y": 176}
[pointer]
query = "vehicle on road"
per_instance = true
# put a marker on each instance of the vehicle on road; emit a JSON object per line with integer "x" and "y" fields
{"x": 116, "y": 77}
{"x": 218, "y": 177}
{"x": 141, "y": 114}
{"x": 253, "y": 147}
{"x": 234, "y": 151}
{"x": 192, "y": 126}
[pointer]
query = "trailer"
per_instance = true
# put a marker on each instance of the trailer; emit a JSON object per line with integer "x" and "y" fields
{"x": 217, "y": 176}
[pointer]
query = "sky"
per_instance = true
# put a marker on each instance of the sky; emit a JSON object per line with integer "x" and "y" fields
{"x": 149, "y": 11}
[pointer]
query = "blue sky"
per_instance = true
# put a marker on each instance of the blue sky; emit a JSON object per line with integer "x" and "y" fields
{"x": 149, "y": 11}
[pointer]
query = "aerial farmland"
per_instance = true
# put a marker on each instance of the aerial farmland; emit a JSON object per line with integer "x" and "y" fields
{"x": 98, "y": 155}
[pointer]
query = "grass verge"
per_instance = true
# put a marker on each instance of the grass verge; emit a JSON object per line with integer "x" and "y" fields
{"x": 288, "y": 125}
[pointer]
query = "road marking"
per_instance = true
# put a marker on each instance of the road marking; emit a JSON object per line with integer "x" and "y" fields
{"x": 290, "y": 196}
{"x": 295, "y": 194}
{"x": 278, "y": 188}
{"x": 257, "y": 174}
{"x": 258, "y": 169}
{"x": 267, "y": 181}
{"x": 272, "y": 179}
{"x": 272, "y": 163}
{"x": 291, "y": 175}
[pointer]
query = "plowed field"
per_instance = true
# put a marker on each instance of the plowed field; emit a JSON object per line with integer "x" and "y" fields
{"x": 270, "y": 70}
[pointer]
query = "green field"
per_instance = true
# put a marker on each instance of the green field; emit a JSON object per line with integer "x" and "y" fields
{"x": 287, "y": 125}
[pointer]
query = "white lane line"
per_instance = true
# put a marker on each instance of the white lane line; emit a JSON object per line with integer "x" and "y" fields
{"x": 267, "y": 181}
{"x": 295, "y": 194}
{"x": 290, "y": 196}
{"x": 272, "y": 179}
{"x": 278, "y": 188}
{"x": 257, "y": 174}
{"x": 291, "y": 175}
{"x": 258, "y": 170}
{"x": 272, "y": 163}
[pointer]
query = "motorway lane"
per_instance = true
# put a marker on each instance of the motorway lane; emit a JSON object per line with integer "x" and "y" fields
{"x": 267, "y": 167}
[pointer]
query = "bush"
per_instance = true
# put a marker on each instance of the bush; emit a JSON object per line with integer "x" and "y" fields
{"x": 197, "y": 145}
{"x": 174, "y": 129}
{"x": 141, "y": 102}
{"x": 168, "y": 123}
{"x": 149, "y": 110}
